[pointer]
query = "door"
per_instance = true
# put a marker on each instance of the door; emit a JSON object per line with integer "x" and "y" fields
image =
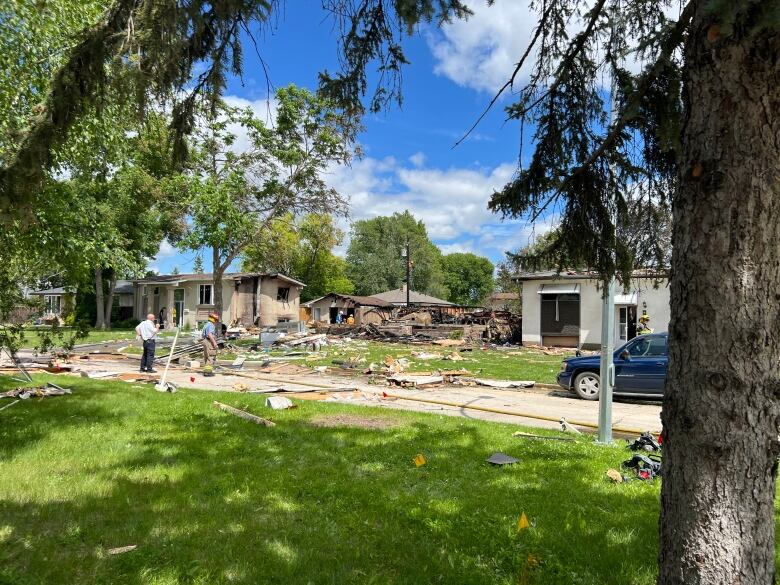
{"x": 645, "y": 370}
{"x": 178, "y": 306}
{"x": 621, "y": 323}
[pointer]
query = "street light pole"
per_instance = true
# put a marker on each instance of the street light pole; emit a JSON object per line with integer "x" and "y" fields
{"x": 408, "y": 272}
{"x": 607, "y": 366}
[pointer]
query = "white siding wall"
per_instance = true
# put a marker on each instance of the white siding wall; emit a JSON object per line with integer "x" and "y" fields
{"x": 657, "y": 300}
{"x": 532, "y": 312}
{"x": 590, "y": 307}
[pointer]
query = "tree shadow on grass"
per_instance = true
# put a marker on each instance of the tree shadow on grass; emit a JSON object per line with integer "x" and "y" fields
{"x": 209, "y": 498}
{"x": 24, "y": 425}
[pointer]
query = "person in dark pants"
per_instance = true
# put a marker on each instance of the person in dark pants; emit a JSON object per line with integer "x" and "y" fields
{"x": 147, "y": 331}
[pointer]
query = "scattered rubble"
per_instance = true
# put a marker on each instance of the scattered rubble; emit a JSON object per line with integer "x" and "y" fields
{"x": 49, "y": 389}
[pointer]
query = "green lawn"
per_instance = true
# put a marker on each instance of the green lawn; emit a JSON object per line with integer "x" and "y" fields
{"x": 490, "y": 363}
{"x": 497, "y": 364}
{"x": 209, "y": 498}
{"x": 32, "y": 338}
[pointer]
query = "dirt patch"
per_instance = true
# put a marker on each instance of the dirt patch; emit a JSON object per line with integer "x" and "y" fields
{"x": 354, "y": 420}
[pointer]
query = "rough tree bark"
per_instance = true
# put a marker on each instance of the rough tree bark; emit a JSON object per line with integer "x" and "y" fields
{"x": 99, "y": 314}
{"x": 109, "y": 305}
{"x": 721, "y": 410}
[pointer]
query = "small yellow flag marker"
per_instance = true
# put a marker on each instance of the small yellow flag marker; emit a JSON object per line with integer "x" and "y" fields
{"x": 523, "y": 523}
{"x": 419, "y": 461}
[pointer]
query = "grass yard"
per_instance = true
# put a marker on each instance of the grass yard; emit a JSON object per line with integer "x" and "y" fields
{"x": 32, "y": 337}
{"x": 499, "y": 364}
{"x": 329, "y": 495}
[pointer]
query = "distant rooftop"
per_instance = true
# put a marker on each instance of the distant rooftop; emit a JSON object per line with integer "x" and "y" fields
{"x": 208, "y": 277}
{"x": 355, "y": 299}
{"x": 580, "y": 274}
{"x": 398, "y": 297}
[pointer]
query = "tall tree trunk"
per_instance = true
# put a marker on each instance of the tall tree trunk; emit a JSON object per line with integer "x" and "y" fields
{"x": 100, "y": 315}
{"x": 721, "y": 408}
{"x": 110, "y": 300}
{"x": 218, "y": 272}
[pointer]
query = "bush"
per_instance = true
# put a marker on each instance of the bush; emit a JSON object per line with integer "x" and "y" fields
{"x": 125, "y": 324}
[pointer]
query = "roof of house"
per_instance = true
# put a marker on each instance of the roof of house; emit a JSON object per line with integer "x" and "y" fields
{"x": 587, "y": 274}
{"x": 355, "y": 300}
{"x": 504, "y": 296}
{"x": 208, "y": 277}
{"x": 398, "y": 297}
{"x": 59, "y": 290}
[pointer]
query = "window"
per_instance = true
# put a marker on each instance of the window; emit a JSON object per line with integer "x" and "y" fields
{"x": 648, "y": 347}
{"x": 283, "y": 294}
{"x": 560, "y": 315}
{"x": 317, "y": 314}
{"x": 204, "y": 294}
{"x": 53, "y": 304}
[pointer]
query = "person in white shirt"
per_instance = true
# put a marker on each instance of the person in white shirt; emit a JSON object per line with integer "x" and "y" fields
{"x": 147, "y": 330}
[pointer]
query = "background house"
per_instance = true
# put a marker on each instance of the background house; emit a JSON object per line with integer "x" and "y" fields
{"x": 248, "y": 299}
{"x": 397, "y": 297}
{"x": 564, "y": 310}
{"x": 55, "y": 300}
{"x": 363, "y": 309}
{"x": 503, "y": 301}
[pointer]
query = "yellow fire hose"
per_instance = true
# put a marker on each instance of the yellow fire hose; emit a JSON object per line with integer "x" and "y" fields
{"x": 575, "y": 423}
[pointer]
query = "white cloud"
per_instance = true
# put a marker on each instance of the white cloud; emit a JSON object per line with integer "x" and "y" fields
{"x": 458, "y": 248}
{"x": 166, "y": 250}
{"x": 481, "y": 52}
{"x": 451, "y": 202}
{"x": 417, "y": 159}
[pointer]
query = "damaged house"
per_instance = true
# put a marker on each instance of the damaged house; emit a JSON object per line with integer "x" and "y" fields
{"x": 364, "y": 309}
{"x": 185, "y": 300}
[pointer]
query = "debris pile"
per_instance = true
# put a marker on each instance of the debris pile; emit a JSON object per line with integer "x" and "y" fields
{"x": 49, "y": 389}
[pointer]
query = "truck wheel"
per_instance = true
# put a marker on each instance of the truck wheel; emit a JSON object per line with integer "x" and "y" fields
{"x": 586, "y": 385}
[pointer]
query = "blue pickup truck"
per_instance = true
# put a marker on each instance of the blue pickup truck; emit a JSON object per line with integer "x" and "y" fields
{"x": 640, "y": 369}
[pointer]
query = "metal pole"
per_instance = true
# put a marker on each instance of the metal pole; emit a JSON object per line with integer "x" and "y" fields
{"x": 408, "y": 272}
{"x": 607, "y": 366}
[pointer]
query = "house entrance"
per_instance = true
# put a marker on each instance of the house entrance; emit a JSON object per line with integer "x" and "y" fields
{"x": 178, "y": 306}
{"x": 625, "y": 324}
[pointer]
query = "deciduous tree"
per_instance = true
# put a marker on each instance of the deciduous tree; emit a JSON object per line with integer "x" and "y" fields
{"x": 468, "y": 278}
{"x": 302, "y": 248}
{"x": 376, "y": 261}
{"x": 235, "y": 196}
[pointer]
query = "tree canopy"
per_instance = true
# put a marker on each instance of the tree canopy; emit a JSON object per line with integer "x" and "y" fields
{"x": 376, "y": 259}
{"x": 235, "y": 196}
{"x": 303, "y": 249}
{"x": 468, "y": 278}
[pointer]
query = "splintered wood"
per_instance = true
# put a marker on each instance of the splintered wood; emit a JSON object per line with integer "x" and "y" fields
{"x": 284, "y": 368}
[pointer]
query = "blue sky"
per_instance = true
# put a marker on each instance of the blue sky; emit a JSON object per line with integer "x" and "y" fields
{"x": 409, "y": 161}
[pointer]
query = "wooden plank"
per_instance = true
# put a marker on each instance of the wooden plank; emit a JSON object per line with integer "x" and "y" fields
{"x": 243, "y": 414}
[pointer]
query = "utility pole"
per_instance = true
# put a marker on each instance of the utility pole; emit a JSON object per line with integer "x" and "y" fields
{"x": 408, "y": 272}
